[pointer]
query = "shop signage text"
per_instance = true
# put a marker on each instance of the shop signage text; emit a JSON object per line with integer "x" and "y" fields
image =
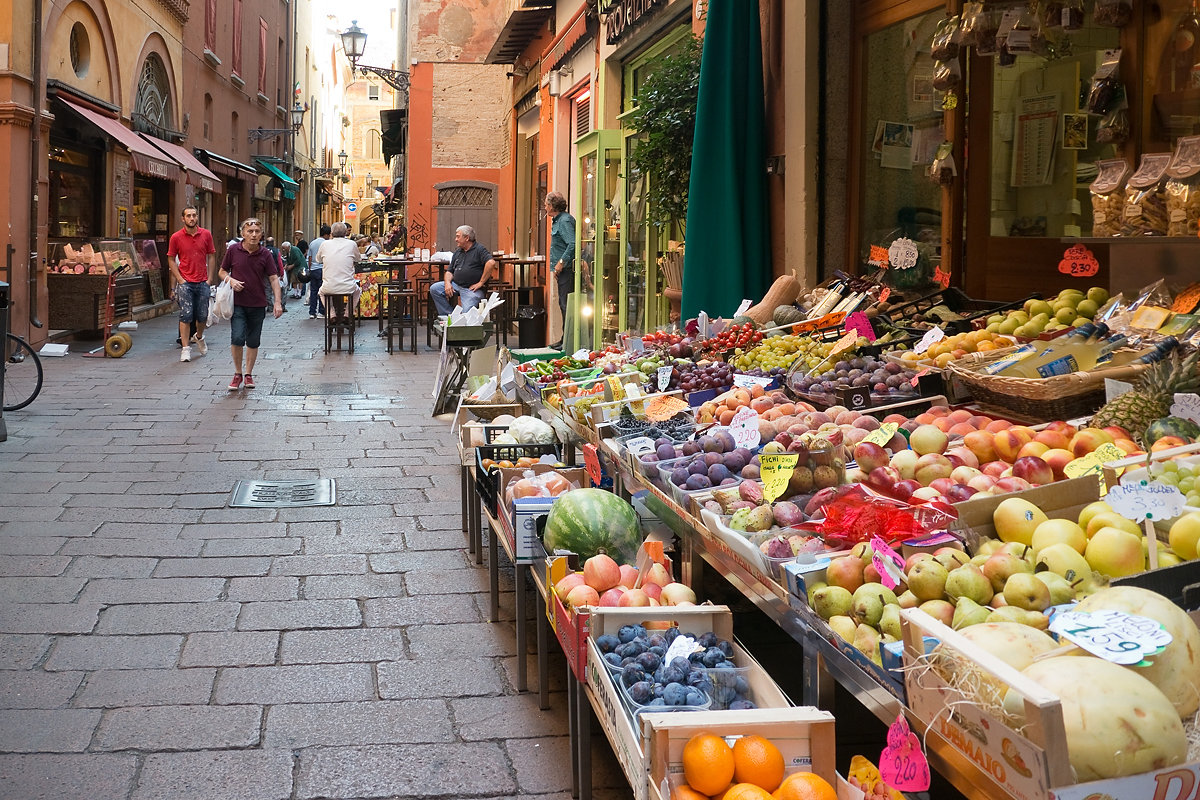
{"x": 624, "y": 14}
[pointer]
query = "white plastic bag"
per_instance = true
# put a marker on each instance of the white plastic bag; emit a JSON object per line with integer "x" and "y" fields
{"x": 222, "y": 305}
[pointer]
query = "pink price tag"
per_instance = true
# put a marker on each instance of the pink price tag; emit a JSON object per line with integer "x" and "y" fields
{"x": 888, "y": 563}
{"x": 744, "y": 427}
{"x": 903, "y": 765}
{"x": 591, "y": 462}
{"x": 859, "y": 323}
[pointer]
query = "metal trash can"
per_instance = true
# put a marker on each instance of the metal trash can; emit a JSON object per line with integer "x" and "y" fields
{"x": 531, "y": 326}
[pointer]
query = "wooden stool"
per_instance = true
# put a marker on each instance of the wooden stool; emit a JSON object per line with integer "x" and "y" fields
{"x": 401, "y": 315}
{"x": 339, "y": 319}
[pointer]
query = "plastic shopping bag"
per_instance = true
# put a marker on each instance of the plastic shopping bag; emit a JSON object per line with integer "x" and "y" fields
{"x": 222, "y": 305}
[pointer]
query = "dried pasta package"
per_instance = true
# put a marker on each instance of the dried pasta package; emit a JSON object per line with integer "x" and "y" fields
{"x": 945, "y": 40}
{"x": 1145, "y": 211}
{"x": 1113, "y": 13}
{"x": 1183, "y": 189}
{"x": 1060, "y": 15}
{"x": 947, "y": 76}
{"x": 1114, "y": 127}
{"x": 1106, "y": 88}
{"x": 1108, "y": 200}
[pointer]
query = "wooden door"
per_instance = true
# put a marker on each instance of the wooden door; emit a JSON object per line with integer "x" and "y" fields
{"x": 466, "y": 203}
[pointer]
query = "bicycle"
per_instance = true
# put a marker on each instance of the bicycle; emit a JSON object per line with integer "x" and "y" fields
{"x": 22, "y": 373}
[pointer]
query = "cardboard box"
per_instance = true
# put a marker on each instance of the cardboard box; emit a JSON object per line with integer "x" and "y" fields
{"x": 804, "y": 735}
{"x": 1059, "y": 500}
{"x": 892, "y": 680}
{"x": 518, "y": 519}
{"x": 630, "y": 745}
{"x": 570, "y": 627}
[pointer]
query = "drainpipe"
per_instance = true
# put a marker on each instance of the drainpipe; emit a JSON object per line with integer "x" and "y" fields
{"x": 35, "y": 147}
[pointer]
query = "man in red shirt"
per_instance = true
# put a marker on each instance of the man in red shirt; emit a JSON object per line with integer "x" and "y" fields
{"x": 191, "y": 256}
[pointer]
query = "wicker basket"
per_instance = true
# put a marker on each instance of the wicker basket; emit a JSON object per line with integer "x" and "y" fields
{"x": 489, "y": 411}
{"x": 1060, "y": 397}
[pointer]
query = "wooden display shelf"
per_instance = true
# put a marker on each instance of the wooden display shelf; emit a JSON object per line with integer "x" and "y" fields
{"x": 77, "y": 301}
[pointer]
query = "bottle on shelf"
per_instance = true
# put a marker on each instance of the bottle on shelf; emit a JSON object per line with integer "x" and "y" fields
{"x": 1147, "y": 355}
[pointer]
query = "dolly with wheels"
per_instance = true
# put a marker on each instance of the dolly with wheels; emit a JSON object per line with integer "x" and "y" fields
{"x": 116, "y": 344}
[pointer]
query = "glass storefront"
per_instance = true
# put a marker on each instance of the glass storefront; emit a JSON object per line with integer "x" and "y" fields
{"x": 73, "y": 211}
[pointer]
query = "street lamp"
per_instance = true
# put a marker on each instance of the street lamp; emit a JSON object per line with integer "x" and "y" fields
{"x": 325, "y": 172}
{"x": 342, "y": 158}
{"x": 297, "y": 115}
{"x": 370, "y": 182}
{"x": 354, "y": 43}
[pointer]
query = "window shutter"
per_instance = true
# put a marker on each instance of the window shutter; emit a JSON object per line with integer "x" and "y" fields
{"x": 583, "y": 116}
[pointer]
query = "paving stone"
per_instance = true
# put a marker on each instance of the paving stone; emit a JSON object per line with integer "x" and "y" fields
{"x": 236, "y": 529}
{"x": 114, "y": 652}
{"x": 145, "y": 687}
{"x": 33, "y": 566}
{"x": 225, "y": 567}
{"x": 216, "y": 775}
{"x": 455, "y": 770}
{"x": 447, "y": 581}
{"x": 38, "y": 689}
{"x": 509, "y": 717}
{"x": 51, "y": 618}
{"x": 421, "y": 679}
{"x": 230, "y": 649}
{"x": 168, "y": 618}
{"x": 29, "y": 545}
{"x": 22, "y": 651}
{"x": 58, "y": 777}
{"x": 294, "y": 614}
{"x": 245, "y": 590}
{"x": 40, "y": 590}
{"x": 253, "y": 547}
{"x": 317, "y": 587}
{"x": 470, "y": 639}
{"x": 320, "y": 565}
{"x": 153, "y": 590}
{"x": 428, "y": 609}
{"x": 133, "y": 525}
{"x": 104, "y": 567}
{"x": 418, "y": 560}
{"x": 390, "y": 527}
{"x": 375, "y": 722}
{"x": 153, "y": 548}
{"x": 448, "y": 539}
{"x": 157, "y": 728}
{"x": 67, "y": 730}
{"x": 320, "y": 683}
{"x": 338, "y": 646}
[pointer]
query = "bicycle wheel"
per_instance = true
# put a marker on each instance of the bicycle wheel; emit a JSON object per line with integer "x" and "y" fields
{"x": 22, "y": 374}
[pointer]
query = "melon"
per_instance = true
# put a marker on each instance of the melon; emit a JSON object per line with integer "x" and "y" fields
{"x": 591, "y": 521}
{"x": 1171, "y": 426}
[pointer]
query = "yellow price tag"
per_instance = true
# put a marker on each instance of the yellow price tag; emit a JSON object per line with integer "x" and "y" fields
{"x": 663, "y": 408}
{"x": 1109, "y": 452}
{"x": 776, "y": 470}
{"x": 843, "y": 344}
{"x": 883, "y": 434}
{"x": 1093, "y": 463}
{"x": 614, "y": 385}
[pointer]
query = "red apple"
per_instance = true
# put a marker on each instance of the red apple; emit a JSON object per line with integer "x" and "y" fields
{"x": 612, "y": 597}
{"x": 567, "y": 583}
{"x": 653, "y": 590}
{"x": 932, "y": 466}
{"x": 904, "y": 489}
{"x": 1033, "y": 469}
{"x": 634, "y": 597}
{"x": 1088, "y": 439}
{"x": 883, "y": 479}
{"x": 927, "y": 493}
{"x": 629, "y": 576}
{"x": 869, "y": 456}
{"x": 584, "y": 595}
{"x": 657, "y": 574}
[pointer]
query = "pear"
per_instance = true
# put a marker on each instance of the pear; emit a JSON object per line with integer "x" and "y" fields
{"x": 889, "y": 623}
{"x": 940, "y": 610}
{"x": 968, "y": 581}
{"x": 1001, "y": 566}
{"x": 987, "y": 547}
{"x": 1023, "y": 590}
{"x": 869, "y": 600}
{"x": 1034, "y": 619}
{"x": 843, "y": 626}
{"x": 1064, "y": 560}
{"x": 951, "y": 557}
{"x": 1060, "y": 588}
{"x": 908, "y": 600}
{"x": 967, "y": 612}
{"x": 812, "y": 589}
{"x": 866, "y": 639}
{"x": 927, "y": 579}
{"x": 832, "y": 601}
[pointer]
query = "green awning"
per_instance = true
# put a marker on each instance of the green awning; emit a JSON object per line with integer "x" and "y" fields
{"x": 288, "y": 185}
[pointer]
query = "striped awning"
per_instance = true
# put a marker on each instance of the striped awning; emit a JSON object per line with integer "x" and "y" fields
{"x": 198, "y": 175}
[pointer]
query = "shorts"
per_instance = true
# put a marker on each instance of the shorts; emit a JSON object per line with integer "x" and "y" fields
{"x": 193, "y": 301}
{"x": 245, "y": 326}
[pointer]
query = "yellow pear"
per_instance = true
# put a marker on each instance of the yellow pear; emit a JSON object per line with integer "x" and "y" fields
{"x": 1185, "y": 534}
{"x": 1115, "y": 553}
{"x": 1016, "y": 519}
{"x": 1091, "y": 510}
{"x": 1111, "y": 519}
{"x": 1054, "y": 531}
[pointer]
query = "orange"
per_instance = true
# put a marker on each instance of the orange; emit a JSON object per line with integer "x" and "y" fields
{"x": 805, "y": 786}
{"x": 757, "y": 761}
{"x": 687, "y": 793}
{"x": 707, "y": 763}
{"x": 746, "y": 791}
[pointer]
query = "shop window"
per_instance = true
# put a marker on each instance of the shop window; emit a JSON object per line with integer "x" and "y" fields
{"x": 372, "y": 91}
{"x": 81, "y": 50}
{"x": 1172, "y": 47}
{"x": 237, "y": 37}
{"x": 208, "y": 116}
{"x": 73, "y": 192}
{"x": 210, "y": 25}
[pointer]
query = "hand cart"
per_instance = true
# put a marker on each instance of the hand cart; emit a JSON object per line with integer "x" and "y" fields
{"x": 116, "y": 344}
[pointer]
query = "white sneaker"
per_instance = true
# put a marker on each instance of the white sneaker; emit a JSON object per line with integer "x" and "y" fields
{"x": 201, "y": 345}
{"x": 186, "y": 355}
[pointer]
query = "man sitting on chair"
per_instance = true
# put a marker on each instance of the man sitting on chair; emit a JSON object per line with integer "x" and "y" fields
{"x": 470, "y": 268}
{"x": 337, "y": 258}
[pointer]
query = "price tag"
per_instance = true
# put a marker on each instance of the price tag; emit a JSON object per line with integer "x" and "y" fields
{"x": 1185, "y": 301}
{"x": 702, "y": 327}
{"x": 750, "y": 381}
{"x": 635, "y": 344}
{"x": 885, "y": 294}
{"x": 776, "y": 470}
{"x": 743, "y": 308}
{"x": 664, "y": 377}
{"x": 639, "y": 446}
{"x": 859, "y": 323}
{"x": 744, "y": 428}
{"x": 931, "y": 337}
{"x": 878, "y": 257}
{"x": 1114, "y": 389}
{"x": 581, "y": 355}
{"x": 847, "y": 342}
{"x": 903, "y": 254}
{"x": 883, "y": 434}
{"x": 614, "y": 386}
{"x": 917, "y": 378}
{"x": 1186, "y": 406}
{"x": 1094, "y": 462}
{"x": 903, "y": 765}
{"x": 681, "y": 647}
{"x": 940, "y": 277}
{"x": 1112, "y": 635}
{"x": 663, "y": 408}
{"x": 888, "y": 563}
{"x": 1142, "y": 500}
{"x": 591, "y": 462}
{"x": 827, "y": 321}
{"x": 508, "y": 379}
{"x": 1079, "y": 262}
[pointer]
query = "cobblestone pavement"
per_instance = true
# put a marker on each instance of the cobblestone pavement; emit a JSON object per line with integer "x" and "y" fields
{"x": 155, "y": 643}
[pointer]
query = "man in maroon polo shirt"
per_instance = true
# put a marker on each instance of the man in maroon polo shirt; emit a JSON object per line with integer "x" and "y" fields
{"x": 250, "y": 267}
{"x": 191, "y": 255}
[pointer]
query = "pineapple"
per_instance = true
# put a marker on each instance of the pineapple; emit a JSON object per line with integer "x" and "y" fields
{"x": 1134, "y": 411}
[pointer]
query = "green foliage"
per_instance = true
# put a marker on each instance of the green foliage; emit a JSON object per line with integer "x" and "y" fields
{"x": 665, "y": 119}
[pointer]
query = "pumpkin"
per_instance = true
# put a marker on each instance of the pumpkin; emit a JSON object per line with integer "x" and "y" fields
{"x": 784, "y": 290}
{"x": 591, "y": 521}
{"x": 787, "y": 315}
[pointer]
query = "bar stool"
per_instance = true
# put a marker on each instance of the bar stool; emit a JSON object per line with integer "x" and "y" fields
{"x": 401, "y": 314}
{"x": 339, "y": 320}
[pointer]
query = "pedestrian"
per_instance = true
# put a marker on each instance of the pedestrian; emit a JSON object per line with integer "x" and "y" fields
{"x": 249, "y": 267}
{"x": 315, "y": 274}
{"x": 191, "y": 254}
{"x": 302, "y": 285}
{"x": 269, "y": 243}
{"x": 562, "y": 251}
{"x": 293, "y": 263}
{"x": 337, "y": 258}
{"x": 469, "y": 270}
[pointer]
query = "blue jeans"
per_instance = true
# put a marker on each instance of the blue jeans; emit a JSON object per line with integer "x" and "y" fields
{"x": 245, "y": 326}
{"x": 193, "y": 301}
{"x": 314, "y": 285}
{"x": 437, "y": 292}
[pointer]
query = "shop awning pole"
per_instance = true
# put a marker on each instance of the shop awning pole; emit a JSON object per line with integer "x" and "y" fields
{"x": 35, "y": 146}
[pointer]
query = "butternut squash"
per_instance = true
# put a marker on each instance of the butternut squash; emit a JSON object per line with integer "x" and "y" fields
{"x": 783, "y": 291}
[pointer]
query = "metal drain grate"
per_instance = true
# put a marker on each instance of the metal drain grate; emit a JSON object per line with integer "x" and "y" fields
{"x": 309, "y": 389}
{"x": 283, "y": 494}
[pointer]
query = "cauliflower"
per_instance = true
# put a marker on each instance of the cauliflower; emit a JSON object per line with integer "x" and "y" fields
{"x": 531, "y": 430}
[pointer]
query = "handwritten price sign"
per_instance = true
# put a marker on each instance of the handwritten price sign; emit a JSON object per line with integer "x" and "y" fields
{"x": 1079, "y": 262}
{"x": 664, "y": 377}
{"x": 1093, "y": 462}
{"x": 744, "y": 427}
{"x": 903, "y": 765}
{"x": 776, "y": 472}
{"x": 1186, "y": 406}
{"x": 640, "y": 446}
{"x": 931, "y": 337}
{"x": 1113, "y": 635}
{"x": 1142, "y": 500}
{"x": 883, "y": 434}
{"x": 941, "y": 277}
{"x": 591, "y": 462}
{"x": 750, "y": 381}
{"x": 888, "y": 563}
{"x": 860, "y": 325}
{"x": 903, "y": 254}
{"x": 663, "y": 408}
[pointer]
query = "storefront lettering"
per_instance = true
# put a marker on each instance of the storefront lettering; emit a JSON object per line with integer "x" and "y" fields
{"x": 1165, "y": 781}
{"x": 624, "y": 14}
{"x": 973, "y": 751}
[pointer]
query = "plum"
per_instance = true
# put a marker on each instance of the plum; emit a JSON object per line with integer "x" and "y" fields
{"x": 631, "y": 649}
{"x": 713, "y": 655}
{"x": 631, "y": 674}
{"x": 665, "y": 451}
{"x": 708, "y": 444}
{"x": 679, "y": 476}
{"x": 641, "y": 692}
{"x": 675, "y": 694}
{"x": 613, "y": 659}
{"x": 655, "y": 640}
{"x": 695, "y": 697}
{"x": 697, "y": 467}
{"x": 648, "y": 661}
{"x": 734, "y": 462}
{"x": 713, "y": 458}
{"x": 707, "y": 640}
{"x": 697, "y": 482}
{"x": 690, "y": 448}
{"x": 741, "y": 705}
{"x": 725, "y": 440}
{"x": 726, "y": 647}
{"x": 627, "y": 633}
{"x": 607, "y": 643}
{"x": 659, "y": 441}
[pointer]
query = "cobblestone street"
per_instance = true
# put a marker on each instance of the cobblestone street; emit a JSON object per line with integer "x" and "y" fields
{"x": 156, "y": 643}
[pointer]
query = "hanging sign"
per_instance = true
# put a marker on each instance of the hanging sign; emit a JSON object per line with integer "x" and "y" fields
{"x": 664, "y": 377}
{"x": 878, "y": 257}
{"x": 744, "y": 428}
{"x": 1142, "y": 500}
{"x": 903, "y": 765}
{"x": 1078, "y": 262}
{"x": 888, "y": 563}
{"x": 931, "y": 337}
{"x": 940, "y": 277}
{"x": 1186, "y": 406}
{"x": 883, "y": 434}
{"x": 591, "y": 462}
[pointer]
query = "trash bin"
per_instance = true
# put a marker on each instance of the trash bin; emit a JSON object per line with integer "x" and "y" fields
{"x": 531, "y": 326}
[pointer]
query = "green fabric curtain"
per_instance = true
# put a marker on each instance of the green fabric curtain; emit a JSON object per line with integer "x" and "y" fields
{"x": 728, "y": 255}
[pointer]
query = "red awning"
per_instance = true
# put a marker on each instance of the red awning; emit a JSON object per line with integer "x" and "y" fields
{"x": 198, "y": 175}
{"x": 564, "y": 43}
{"x": 147, "y": 159}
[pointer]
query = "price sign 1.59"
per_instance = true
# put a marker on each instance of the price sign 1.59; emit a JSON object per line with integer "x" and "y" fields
{"x": 1112, "y": 635}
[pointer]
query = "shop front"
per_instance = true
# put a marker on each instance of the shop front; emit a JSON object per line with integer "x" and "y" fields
{"x": 274, "y": 198}
{"x": 237, "y": 180}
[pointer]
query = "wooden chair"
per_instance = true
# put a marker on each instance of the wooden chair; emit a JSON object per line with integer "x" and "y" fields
{"x": 401, "y": 313}
{"x": 339, "y": 320}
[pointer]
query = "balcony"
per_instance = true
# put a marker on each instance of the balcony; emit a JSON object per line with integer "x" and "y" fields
{"x": 177, "y": 8}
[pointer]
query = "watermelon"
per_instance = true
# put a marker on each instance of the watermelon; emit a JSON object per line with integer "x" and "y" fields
{"x": 591, "y": 521}
{"x": 1171, "y": 426}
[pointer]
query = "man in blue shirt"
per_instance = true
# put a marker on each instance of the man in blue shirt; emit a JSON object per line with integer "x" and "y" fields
{"x": 562, "y": 249}
{"x": 470, "y": 268}
{"x": 316, "y": 275}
